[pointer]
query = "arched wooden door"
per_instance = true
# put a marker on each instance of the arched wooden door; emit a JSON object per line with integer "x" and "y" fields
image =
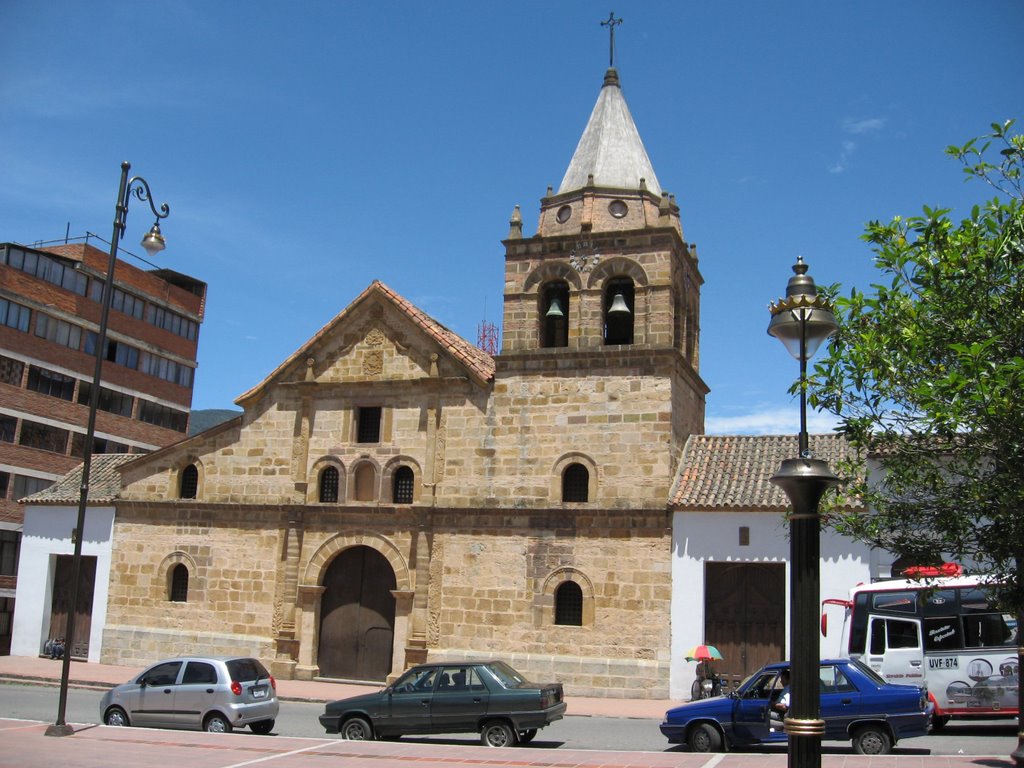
{"x": 357, "y": 616}
{"x": 745, "y": 615}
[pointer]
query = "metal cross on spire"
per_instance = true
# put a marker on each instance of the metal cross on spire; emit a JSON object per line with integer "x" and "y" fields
{"x": 611, "y": 23}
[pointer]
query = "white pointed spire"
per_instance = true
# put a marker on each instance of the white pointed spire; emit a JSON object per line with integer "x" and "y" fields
{"x": 610, "y": 149}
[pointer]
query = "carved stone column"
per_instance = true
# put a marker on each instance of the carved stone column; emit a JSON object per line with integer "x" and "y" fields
{"x": 307, "y": 617}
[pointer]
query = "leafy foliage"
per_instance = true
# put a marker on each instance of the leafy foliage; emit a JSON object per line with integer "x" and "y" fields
{"x": 927, "y": 377}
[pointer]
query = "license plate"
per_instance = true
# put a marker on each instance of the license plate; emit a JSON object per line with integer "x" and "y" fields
{"x": 259, "y": 693}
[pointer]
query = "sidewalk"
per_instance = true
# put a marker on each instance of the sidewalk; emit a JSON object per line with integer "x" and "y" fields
{"x": 103, "y": 676}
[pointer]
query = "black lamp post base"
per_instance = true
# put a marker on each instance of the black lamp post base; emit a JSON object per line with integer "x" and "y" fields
{"x": 60, "y": 730}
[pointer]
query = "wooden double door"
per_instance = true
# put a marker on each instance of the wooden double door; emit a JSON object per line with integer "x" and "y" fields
{"x": 745, "y": 616}
{"x": 60, "y": 605}
{"x": 357, "y": 616}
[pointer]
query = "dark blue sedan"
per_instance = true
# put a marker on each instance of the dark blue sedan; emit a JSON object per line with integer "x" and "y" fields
{"x": 856, "y": 704}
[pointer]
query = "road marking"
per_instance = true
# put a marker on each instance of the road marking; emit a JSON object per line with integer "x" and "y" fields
{"x": 278, "y": 755}
{"x": 715, "y": 760}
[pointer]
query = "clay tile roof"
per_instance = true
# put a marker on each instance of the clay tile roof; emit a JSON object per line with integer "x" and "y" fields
{"x": 474, "y": 358}
{"x": 104, "y": 482}
{"x": 731, "y": 472}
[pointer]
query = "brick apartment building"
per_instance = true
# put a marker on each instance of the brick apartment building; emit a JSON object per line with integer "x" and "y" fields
{"x": 49, "y": 322}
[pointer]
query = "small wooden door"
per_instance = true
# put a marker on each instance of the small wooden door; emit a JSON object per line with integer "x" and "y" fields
{"x": 357, "y": 616}
{"x": 745, "y": 615}
{"x": 60, "y": 607}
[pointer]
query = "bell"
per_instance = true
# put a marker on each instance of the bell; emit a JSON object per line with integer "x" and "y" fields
{"x": 555, "y": 309}
{"x": 618, "y": 305}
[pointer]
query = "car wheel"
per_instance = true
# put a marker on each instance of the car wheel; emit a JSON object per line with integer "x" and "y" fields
{"x": 262, "y": 727}
{"x": 704, "y": 738}
{"x": 116, "y": 716}
{"x": 497, "y": 733}
{"x": 217, "y": 723}
{"x": 525, "y": 737}
{"x": 872, "y": 740}
{"x": 356, "y": 729}
{"x": 939, "y": 722}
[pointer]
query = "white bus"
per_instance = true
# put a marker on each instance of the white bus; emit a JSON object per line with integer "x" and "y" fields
{"x": 943, "y": 632}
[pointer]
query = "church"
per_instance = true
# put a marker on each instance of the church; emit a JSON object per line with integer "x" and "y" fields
{"x": 392, "y": 493}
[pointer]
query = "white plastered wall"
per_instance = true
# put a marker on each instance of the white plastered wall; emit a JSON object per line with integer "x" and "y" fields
{"x": 47, "y": 534}
{"x": 699, "y": 537}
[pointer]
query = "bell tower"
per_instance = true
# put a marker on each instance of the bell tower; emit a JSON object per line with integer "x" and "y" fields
{"x": 608, "y": 283}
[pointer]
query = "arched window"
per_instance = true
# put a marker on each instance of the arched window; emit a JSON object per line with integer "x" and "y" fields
{"x": 575, "y": 483}
{"x": 365, "y": 482}
{"x": 554, "y": 315}
{"x": 402, "y": 485}
{"x": 618, "y": 311}
{"x": 189, "y": 485}
{"x": 569, "y": 604}
{"x": 179, "y": 583}
{"x": 329, "y": 485}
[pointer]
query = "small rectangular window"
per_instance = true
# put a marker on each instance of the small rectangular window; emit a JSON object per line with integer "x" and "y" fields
{"x": 368, "y": 424}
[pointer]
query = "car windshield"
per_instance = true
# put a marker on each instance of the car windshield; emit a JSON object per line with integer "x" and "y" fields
{"x": 507, "y": 676}
{"x": 869, "y": 673}
{"x": 246, "y": 670}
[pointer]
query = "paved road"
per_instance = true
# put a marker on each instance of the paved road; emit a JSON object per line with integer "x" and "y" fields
{"x": 298, "y": 719}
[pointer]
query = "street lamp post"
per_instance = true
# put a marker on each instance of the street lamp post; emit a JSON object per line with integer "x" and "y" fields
{"x": 802, "y": 321}
{"x": 153, "y": 242}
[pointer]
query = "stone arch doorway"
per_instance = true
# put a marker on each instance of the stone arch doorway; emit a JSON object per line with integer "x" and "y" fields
{"x": 357, "y": 616}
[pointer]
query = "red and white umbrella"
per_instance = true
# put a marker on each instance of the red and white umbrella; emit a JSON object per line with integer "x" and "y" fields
{"x": 703, "y": 653}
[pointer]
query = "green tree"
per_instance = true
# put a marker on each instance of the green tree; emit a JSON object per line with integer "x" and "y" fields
{"x": 926, "y": 375}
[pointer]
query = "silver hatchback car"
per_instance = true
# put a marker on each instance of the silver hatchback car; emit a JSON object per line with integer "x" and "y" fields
{"x": 210, "y": 693}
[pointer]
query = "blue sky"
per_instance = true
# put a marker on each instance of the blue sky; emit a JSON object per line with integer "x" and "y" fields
{"x": 308, "y": 148}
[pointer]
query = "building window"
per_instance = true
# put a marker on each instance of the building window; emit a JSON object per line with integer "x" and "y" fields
{"x": 329, "y": 485}
{"x": 554, "y": 319}
{"x": 115, "y": 352}
{"x": 9, "y": 553}
{"x": 402, "y": 485}
{"x": 5, "y": 481}
{"x": 569, "y": 604}
{"x": 26, "y": 486}
{"x": 368, "y": 424}
{"x": 44, "y": 437}
{"x": 168, "y": 370}
{"x": 14, "y": 315}
{"x": 179, "y": 583}
{"x": 575, "y": 483}
{"x": 51, "y": 383}
{"x": 49, "y": 268}
{"x": 171, "y": 321}
{"x": 99, "y": 445}
{"x": 8, "y": 428}
{"x": 162, "y": 416}
{"x": 58, "y": 331}
{"x": 618, "y": 312}
{"x": 189, "y": 482}
{"x": 11, "y": 371}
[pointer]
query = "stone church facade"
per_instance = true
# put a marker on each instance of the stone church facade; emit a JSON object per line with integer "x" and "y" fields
{"x": 393, "y": 493}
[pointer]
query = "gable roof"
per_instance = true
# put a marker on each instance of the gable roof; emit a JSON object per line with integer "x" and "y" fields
{"x": 478, "y": 364}
{"x": 731, "y": 472}
{"x": 610, "y": 148}
{"x": 104, "y": 482}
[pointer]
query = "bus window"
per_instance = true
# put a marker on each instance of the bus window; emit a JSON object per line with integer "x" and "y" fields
{"x": 986, "y": 629}
{"x": 892, "y": 633}
{"x": 941, "y": 602}
{"x": 858, "y": 624}
{"x": 942, "y": 634}
{"x": 896, "y": 602}
{"x": 976, "y": 600}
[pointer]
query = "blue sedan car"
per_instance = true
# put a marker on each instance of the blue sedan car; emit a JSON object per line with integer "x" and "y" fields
{"x": 856, "y": 704}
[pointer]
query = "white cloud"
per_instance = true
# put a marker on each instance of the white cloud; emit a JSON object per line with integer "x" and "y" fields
{"x": 769, "y": 420}
{"x": 867, "y": 125}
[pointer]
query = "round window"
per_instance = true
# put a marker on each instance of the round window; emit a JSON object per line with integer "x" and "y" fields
{"x": 563, "y": 214}
{"x": 617, "y": 208}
